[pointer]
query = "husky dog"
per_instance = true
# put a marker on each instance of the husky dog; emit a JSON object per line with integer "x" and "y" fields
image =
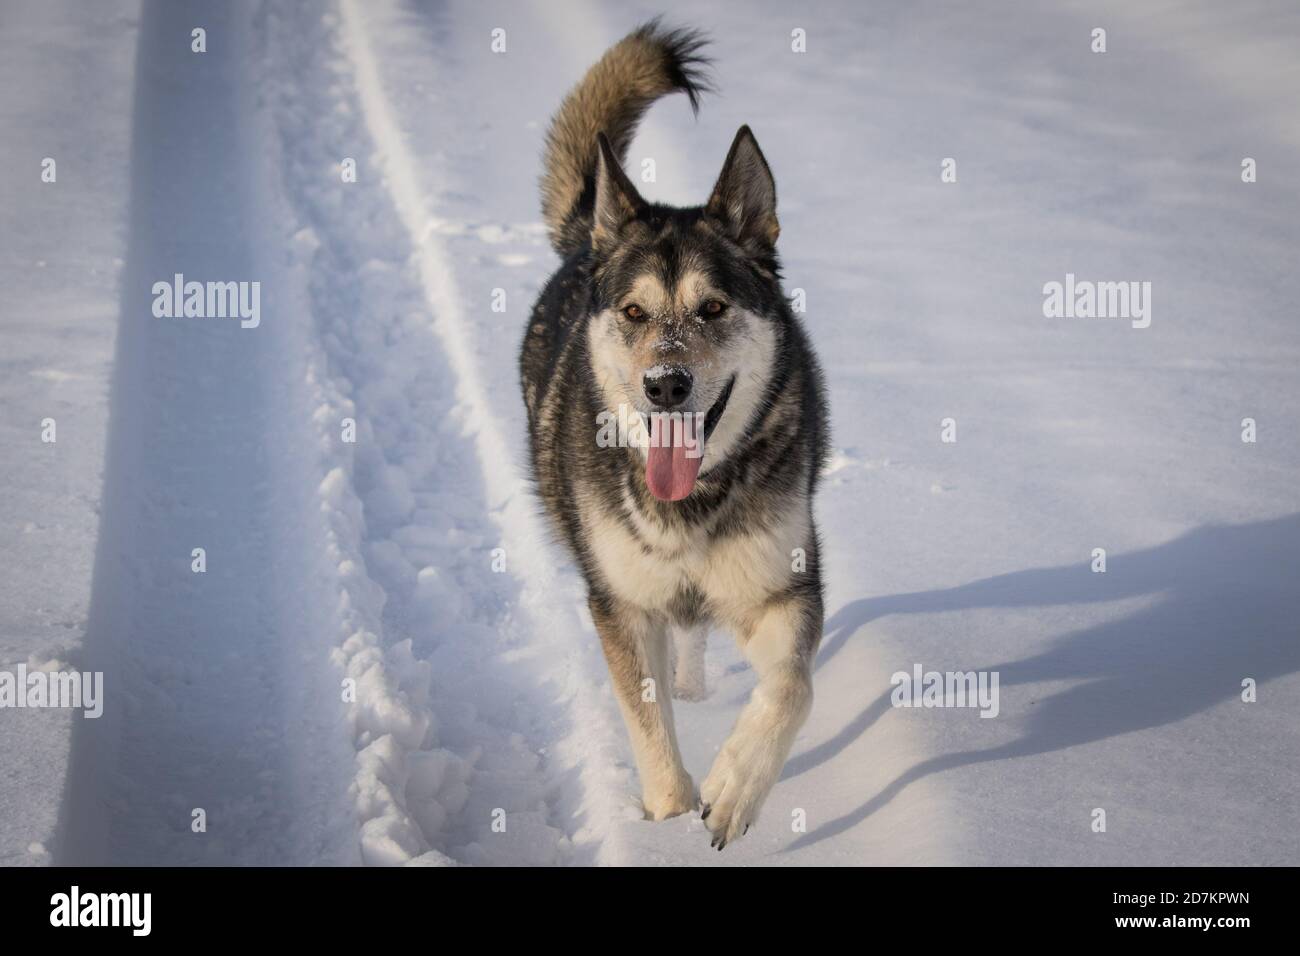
{"x": 676, "y": 318}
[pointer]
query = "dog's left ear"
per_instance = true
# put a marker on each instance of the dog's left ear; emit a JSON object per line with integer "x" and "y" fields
{"x": 744, "y": 198}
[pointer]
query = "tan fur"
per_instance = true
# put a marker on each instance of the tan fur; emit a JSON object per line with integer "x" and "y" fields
{"x": 636, "y": 649}
{"x": 611, "y": 98}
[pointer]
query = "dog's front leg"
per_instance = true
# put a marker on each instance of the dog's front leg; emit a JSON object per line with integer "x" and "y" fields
{"x": 780, "y": 645}
{"x": 637, "y": 652}
{"x": 688, "y": 662}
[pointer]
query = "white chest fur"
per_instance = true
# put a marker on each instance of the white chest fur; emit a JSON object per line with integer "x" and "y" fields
{"x": 735, "y": 574}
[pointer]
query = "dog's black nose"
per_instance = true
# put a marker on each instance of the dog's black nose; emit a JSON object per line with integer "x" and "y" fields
{"x": 667, "y": 387}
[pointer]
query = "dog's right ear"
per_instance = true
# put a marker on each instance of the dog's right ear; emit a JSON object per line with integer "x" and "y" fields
{"x": 617, "y": 201}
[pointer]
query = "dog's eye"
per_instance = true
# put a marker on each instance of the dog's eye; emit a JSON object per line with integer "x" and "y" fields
{"x": 713, "y": 308}
{"x": 634, "y": 312}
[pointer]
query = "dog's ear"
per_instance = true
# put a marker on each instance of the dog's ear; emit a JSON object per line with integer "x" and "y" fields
{"x": 744, "y": 198}
{"x": 617, "y": 201}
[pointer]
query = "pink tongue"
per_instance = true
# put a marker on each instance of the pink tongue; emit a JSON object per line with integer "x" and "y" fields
{"x": 671, "y": 465}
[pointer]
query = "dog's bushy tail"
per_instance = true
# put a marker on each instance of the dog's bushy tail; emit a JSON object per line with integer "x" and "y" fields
{"x": 650, "y": 62}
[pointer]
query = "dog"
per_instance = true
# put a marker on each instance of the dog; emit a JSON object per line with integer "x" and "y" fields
{"x": 678, "y": 425}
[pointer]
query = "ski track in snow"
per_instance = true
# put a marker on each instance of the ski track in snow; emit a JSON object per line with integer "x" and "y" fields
{"x": 480, "y": 688}
{"x": 503, "y": 679}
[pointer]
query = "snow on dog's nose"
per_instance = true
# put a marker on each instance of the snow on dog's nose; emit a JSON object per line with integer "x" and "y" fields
{"x": 667, "y": 386}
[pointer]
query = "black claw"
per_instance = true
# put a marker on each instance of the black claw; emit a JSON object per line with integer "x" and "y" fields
{"x": 713, "y": 842}
{"x": 744, "y": 831}
{"x": 721, "y": 845}
{"x": 704, "y": 814}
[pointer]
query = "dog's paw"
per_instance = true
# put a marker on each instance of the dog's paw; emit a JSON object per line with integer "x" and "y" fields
{"x": 734, "y": 791}
{"x": 671, "y": 801}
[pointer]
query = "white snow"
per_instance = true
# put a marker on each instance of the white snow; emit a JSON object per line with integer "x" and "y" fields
{"x": 388, "y": 661}
{"x": 66, "y": 82}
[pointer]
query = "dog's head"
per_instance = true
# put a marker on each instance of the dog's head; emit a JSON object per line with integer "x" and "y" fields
{"x": 688, "y": 305}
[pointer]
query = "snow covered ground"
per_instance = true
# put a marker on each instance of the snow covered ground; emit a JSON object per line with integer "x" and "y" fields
{"x": 67, "y": 83}
{"x": 385, "y": 658}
